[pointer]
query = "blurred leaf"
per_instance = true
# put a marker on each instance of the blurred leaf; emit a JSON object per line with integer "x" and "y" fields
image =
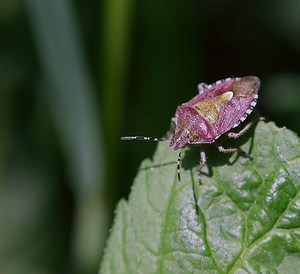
{"x": 8, "y": 10}
{"x": 70, "y": 89}
{"x": 116, "y": 24}
{"x": 243, "y": 218}
{"x": 71, "y": 97}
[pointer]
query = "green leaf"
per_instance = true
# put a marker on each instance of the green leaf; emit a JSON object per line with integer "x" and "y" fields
{"x": 243, "y": 218}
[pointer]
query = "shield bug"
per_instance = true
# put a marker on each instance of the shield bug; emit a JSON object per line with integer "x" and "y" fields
{"x": 213, "y": 112}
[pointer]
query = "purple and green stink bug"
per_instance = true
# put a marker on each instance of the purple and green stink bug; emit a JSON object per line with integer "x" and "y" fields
{"x": 213, "y": 112}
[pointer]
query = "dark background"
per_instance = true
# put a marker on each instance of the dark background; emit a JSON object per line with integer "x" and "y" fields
{"x": 77, "y": 75}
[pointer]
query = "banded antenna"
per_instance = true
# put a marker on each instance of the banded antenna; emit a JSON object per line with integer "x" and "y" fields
{"x": 142, "y": 138}
{"x": 153, "y": 139}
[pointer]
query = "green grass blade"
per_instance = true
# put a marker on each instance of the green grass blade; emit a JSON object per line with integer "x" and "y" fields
{"x": 71, "y": 96}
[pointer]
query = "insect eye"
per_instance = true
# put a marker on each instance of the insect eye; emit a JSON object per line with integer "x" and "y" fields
{"x": 187, "y": 134}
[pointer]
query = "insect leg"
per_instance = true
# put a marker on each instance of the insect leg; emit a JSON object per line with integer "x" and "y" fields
{"x": 202, "y": 87}
{"x": 236, "y": 135}
{"x": 178, "y": 166}
{"x": 202, "y": 163}
{"x": 234, "y": 149}
{"x": 171, "y": 131}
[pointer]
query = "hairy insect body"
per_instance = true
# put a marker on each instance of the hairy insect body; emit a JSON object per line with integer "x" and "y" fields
{"x": 213, "y": 112}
